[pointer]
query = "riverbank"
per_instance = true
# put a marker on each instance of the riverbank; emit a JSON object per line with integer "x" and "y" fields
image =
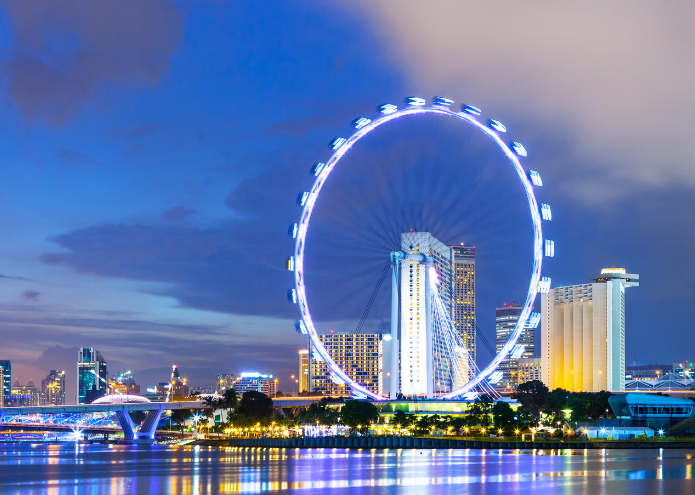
{"x": 445, "y": 443}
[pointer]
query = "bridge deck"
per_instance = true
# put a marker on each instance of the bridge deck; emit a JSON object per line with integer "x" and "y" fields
{"x": 93, "y": 408}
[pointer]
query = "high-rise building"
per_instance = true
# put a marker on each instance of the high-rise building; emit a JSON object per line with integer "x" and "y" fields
{"x": 179, "y": 385}
{"x": 506, "y": 319}
{"x": 225, "y": 382}
{"x": 124, "y": 384}
{"x": 27, "y": 395}
{"x": 303, "y": 370}
{"x": 424, "y": 362}
{"x": 53, "y": 389}
{"x": 529, "y": 370}
{"x": 464, "y": 296}
{"x": 258, "y": 382}
{"x": 6, "y": 383}
{"x": 360, "y": 356}
{"x": 583, "y": 328}
{"x": 2, "y": 394}
{"x": 92, "y": 377}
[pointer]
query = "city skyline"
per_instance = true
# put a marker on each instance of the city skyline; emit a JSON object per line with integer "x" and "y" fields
{"x": 145, "y": 204}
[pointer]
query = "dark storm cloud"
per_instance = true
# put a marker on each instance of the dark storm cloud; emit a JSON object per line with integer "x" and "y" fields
{"x": 66, "y": 51}
{"x": 31, "y": 295}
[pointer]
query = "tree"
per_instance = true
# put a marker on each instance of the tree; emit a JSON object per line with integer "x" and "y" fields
{"x": 401, "y": 419}
{"x": 503, "y": 415}
{"x": 180, "y": 416}
{"x": 357, "y": 413}
{"x": 255, "y": 405}
{"x": 579, "y": 408}
{"x": 535, "y": 392}
{"x": 557, "y": 400}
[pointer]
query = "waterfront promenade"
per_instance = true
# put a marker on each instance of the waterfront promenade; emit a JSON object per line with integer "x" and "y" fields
{"x": 385, "y": 442}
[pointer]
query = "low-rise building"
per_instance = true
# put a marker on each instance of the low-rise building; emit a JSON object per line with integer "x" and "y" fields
{"x": 258, "y": 382}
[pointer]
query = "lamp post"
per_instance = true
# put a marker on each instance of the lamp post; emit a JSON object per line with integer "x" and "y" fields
{"x": 293, "y": 382}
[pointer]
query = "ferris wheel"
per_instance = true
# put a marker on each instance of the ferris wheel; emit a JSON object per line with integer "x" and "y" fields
{"x": 530, "y": 180}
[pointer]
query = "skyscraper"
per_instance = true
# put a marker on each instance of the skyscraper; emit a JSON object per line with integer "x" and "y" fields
{"x": 422, "y": 367}
{"x": 464, "y": 295}
{"x": 6, "y": 383}
{"x": 583, "y": 329}
{"x": 53, "y": 389}
{"x": 303, "y": 370}
{"x": 360, "y": 356}
{"x": 92, "y": 377}
{"x": 506, "y": 319}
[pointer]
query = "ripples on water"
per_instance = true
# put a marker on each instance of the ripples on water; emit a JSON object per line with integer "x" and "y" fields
{"x": 58, "y": 469}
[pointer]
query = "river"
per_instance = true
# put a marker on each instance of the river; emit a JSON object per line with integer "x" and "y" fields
{"x": 99, "y": 469}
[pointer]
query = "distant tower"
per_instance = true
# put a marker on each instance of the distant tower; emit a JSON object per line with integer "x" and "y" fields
{"x": 506, "y": 319}
{"x": 53, "y": 388}
{"x": 583, "y": 329}
{"x": 91, "y": 375}
{"x": 303, "y": 370}
{"x": 464, "y": 295}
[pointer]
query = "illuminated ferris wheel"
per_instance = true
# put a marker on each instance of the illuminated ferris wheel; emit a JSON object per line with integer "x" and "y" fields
{"x": 469, "y": 377}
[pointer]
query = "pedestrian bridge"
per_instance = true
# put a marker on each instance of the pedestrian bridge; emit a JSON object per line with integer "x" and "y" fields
{"x": 131, "y": 434}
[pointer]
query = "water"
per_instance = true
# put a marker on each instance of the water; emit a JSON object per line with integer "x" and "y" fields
{"x": 97, "y": 469}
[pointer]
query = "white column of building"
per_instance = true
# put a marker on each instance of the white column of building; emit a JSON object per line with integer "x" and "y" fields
{"x": 428, "y": 334}
{"x": 395, "y": 344}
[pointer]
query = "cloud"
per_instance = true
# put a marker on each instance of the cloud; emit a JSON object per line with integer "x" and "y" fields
{"x": 71, "y": 157}
{"x": 178, "y": 214}
{"x": 609, "y": 82}
{"x": 31, "y": 295}
{"x": 65, "y": 52}
{"x": 23, "y": 279}
{"x": 147, "y": 346}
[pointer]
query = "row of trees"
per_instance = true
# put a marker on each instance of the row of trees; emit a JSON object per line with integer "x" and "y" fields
{"x": 538, "y": 404}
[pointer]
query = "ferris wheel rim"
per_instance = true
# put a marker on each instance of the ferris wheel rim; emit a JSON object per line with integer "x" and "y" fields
{"x": 341, "y": 147}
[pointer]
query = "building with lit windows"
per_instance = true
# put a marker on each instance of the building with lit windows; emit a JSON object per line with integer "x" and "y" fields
{"x": 506, "y": 319}
{"x": 6, "y": 382}
{"x": 179, "y": 385}
{"x": 225, "y": 382}
{"x": 464, "y": 295}
{"x": 303, "y": 370}
{"x": 124, "y": 384}
{"x": 360, "y": 356}
{"x": 23, "y": 396}
{"x": 583, "y": 333}
{"x": 92, "y": 377}
{"x": 256, "y": 382}
{"x": 53, "y": 389}
{"x": 529, "y": 370}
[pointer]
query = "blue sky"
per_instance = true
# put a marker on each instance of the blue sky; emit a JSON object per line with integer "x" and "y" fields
{"x": 152, "y": 152}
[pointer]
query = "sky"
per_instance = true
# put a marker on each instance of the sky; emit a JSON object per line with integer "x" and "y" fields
{"x": 152, "y": 152}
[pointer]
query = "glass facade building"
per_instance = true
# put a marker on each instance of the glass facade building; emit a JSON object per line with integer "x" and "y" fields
{"x": 506, "y": 319}
{"x": 6, "y": 381}
{"x": 92, "y": 377}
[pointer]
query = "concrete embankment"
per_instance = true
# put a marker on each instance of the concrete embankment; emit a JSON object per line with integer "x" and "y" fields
{"x": 442, "y": 443}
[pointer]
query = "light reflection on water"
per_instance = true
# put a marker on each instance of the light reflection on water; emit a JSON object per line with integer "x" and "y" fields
{"x": 58, "y": 469}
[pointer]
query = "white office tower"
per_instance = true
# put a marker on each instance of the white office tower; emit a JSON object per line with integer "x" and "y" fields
{"x": 583, "y": 333}
{"x": 425, "y": 369}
